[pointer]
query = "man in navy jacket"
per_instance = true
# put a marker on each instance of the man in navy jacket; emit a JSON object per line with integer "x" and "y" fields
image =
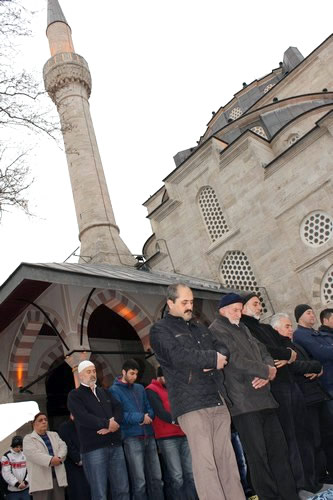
{"x": 139, "y": 442}
{"x": 98, "y": 416}
{"x": 319, "y": 344}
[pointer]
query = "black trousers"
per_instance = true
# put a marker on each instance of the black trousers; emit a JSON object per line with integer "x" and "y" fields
{"x": 293, "y": 416}
{"x": 313, "y": 412}
{"x": 326, "y": 423}
{"x": 267, "y": 455}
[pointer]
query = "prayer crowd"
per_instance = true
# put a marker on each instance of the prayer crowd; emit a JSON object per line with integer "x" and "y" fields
{"x": 239, "y": 410}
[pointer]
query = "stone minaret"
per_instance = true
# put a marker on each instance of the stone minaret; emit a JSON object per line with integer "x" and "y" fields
{"x": 68, "y": 81}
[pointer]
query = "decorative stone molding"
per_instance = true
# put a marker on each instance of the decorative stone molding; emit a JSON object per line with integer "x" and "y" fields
{"x": 231, "y": 153}
{"x": 192, "y": 163}
{"x": 63, "y": 69}
{"x": 23, "y": 344}
{"x": 164, "y": 210}
{"x": 226, "y": 237}
{"x": 45, "y": 362}
{"x": 294, "y": 150}
{"x": 121, "y": 305}
{"x": 296, "y": 200}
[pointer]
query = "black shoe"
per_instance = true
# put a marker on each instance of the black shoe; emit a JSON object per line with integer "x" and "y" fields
{"x": 328, "y": 479}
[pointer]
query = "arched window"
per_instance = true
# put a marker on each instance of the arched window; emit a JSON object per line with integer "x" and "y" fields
{"x": 292, "y": 139}
{"x": 259, "y": 131}
{"x": 235, "y": 113}
{"x": 212, "y": 213}
{"x": 326, "y": 288}
{"x": 268, "y": 87}
{"x": 237, "y": 273}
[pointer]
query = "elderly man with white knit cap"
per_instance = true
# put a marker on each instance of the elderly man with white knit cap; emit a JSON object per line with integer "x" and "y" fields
{"x": 98, "y": 416}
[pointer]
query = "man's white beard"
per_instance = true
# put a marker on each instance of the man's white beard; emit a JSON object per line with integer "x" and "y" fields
{"x": 234, "y": 321}
{"x": 256, "y": 316}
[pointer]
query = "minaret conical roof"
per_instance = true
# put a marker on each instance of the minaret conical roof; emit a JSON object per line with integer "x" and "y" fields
{"x": 54, "y": 13}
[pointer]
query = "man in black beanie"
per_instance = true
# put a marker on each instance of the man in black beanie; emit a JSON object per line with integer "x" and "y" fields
{"x": 287, "y": 393}
{"x": 247, "y": 377}
{"x": 319, "y": 345}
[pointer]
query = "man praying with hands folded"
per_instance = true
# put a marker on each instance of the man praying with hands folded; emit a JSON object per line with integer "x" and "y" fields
{"x": 97, "y": 415}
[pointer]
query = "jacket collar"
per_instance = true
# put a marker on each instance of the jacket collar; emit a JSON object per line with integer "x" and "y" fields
{"x": 323, "y": 329}
{"x": 118, "y": 381}
{"x": 310, "y": 331}
{"x": 250, "y": 320}
{"x": 177, "y": 318}
{"x": 225, "y": 321}
{"x": 157, "y": 383}
{"x": 35, "y": 435}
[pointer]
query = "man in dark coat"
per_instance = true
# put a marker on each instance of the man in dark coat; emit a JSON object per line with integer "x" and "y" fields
{"x": 78, "y": 486}
{"x": 314, "y": 395}
{"x": 192, "y": 369}
{"x": 287, "y": 393}
{"x": 98, "y": 416}
{"x": 247, "y": 375}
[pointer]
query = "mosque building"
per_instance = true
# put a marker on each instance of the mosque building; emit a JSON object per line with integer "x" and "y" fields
{"x": 252, "y": 200}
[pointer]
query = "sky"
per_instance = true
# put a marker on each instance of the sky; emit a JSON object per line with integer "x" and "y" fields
{"x": 159, "y": 70}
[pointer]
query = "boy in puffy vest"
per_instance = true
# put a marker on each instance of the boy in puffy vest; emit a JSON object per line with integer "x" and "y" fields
{"x": 172, "y": 441}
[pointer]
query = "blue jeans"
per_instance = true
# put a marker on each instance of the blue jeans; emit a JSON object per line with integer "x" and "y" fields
{"x": 177, "y": 457}
{"x": 19, "y": 495}
{"x": 144, "y": 467}
{"x": 241, "y": 461}
{"x": 104, "y": 463}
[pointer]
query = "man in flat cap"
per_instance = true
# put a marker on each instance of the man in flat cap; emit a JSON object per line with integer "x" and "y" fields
{"x": 193, "y": 371}
{"x": 247, "y": 375}
{"x": 97, "y": 415}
